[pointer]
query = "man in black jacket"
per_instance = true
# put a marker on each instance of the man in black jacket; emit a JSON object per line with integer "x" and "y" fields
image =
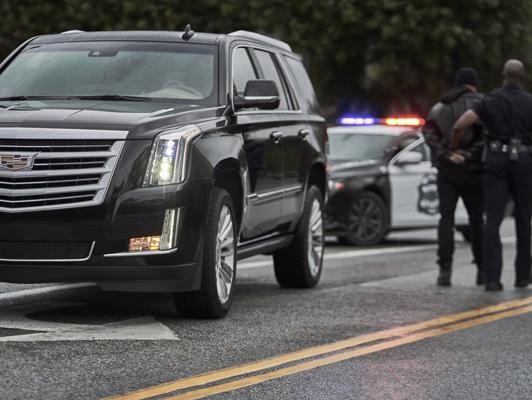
{"x": 457, "y": 180}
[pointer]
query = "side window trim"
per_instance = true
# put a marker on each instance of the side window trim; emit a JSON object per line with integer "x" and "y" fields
{"x": 249, "y": 48}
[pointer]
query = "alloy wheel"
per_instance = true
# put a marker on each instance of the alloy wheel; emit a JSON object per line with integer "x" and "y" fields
{"x": 225, "y": 254}
{"x": 315, "y": 238}
{"x": 365, "y": 219}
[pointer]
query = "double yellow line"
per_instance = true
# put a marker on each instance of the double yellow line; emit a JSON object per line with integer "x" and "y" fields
{"x": 314, "y": 357}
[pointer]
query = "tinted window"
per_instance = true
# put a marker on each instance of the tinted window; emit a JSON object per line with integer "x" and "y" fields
{"x": 184, "y": 73}
{"x": 348, "y": 146}
{"x": 243, "y": 70}
{"x": 305, "y": 90}
{"x": 270, "y": 71}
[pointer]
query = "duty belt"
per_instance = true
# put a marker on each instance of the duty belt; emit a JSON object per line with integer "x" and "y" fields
{"x": 499, "y": 147}
{"x": 513, "y": 149}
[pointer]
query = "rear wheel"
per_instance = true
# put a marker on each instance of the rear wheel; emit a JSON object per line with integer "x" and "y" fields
{"x": 367, "y": 221}
{"x": 300, "y": 265}
{"x": 214, "y": 298}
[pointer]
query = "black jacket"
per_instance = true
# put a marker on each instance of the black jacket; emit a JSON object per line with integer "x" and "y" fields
{"x": 506, "y": 113}
{"x": 439, "y": 124}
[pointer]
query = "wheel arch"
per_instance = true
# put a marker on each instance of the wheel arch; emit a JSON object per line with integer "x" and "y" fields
{"x": 227, "y": 175}
{"x": 317, "y": 176}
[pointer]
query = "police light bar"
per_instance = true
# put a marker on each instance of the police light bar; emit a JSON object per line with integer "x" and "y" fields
{"x": 349, "y": 120}
{"x": 404, "y": 121}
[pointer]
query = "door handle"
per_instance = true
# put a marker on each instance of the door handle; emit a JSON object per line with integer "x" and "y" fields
{"x": 303, "y": 133}
{"x": 276, "y": 136}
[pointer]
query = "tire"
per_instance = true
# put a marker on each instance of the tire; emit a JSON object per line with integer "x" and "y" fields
{"x": 301, "y": 264}
{"x": 214, "y": 298}
{"x": 367, "y": 221}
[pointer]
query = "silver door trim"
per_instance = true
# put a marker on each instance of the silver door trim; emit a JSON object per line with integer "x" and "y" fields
{"x": 258, "y": 198}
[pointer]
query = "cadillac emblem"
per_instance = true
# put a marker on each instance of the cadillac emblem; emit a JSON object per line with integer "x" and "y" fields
{"x": 17, "y": 161}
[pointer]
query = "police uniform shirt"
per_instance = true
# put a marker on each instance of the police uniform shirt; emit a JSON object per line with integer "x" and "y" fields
{"x": 507, "y": 113}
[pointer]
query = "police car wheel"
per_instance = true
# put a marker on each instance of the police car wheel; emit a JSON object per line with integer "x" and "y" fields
{"x": 366, "y": 221}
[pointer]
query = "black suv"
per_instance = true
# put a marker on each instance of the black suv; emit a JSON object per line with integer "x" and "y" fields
{"x": 152, "y": 161}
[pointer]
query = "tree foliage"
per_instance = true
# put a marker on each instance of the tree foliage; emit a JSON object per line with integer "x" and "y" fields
{"x": 393, "y": 54}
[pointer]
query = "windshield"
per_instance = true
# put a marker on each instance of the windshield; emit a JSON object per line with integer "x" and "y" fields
{"x": 351, "y": 147}
{"x": 165, "y": 71}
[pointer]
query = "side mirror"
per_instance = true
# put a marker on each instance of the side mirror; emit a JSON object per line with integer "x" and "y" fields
{"x": 259, "y": 93}
{"x": 409, "y": 157}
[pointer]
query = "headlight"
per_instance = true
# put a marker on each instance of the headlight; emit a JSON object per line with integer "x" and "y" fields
{"x": 335, "y": 185}
{"x": 168, "y": 156}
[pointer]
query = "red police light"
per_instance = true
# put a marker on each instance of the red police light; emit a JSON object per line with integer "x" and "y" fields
{"x": 404, "y": 121}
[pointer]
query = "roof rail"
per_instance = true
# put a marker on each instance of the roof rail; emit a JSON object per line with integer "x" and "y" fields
{"x": 72, "y": 31}
{"x": 262, "y": 38}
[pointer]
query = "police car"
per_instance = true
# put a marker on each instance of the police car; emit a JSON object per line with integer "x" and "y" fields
{"x": 381, "y": 179}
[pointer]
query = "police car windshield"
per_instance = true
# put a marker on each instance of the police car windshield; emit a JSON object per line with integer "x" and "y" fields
{"x": 349, "y": 146}
{"x": 105, "y": 70}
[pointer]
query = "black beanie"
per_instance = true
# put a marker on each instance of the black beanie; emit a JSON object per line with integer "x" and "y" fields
{"x": 466, "y": 76}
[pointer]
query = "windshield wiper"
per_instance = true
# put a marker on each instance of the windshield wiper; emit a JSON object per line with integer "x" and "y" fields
{"x": 119, "y": 97}
{"x": 110, "y": 97}
{"x": 88, "y": 97}
{"x": 22, "y": 98}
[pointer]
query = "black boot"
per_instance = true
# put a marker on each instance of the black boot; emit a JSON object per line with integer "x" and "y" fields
{"x": 444, "y": 277}
{"x": 493, "y": 287}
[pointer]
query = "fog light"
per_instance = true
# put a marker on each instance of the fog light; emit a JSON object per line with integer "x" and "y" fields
{"x": 169, "y": 233}
{"x": 166, "y": 241}
{"x": 144, "y": 243}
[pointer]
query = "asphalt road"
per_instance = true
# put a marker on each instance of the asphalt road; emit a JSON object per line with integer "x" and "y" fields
{"x": 377, "y": 327}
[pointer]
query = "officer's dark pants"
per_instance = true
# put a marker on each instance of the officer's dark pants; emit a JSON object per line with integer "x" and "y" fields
{"x": 466, "y": 185}
{"x": 502, "y": 178}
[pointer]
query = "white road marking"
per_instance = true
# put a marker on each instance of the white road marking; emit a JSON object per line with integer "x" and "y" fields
{"x": 349, "y": 254}
{"x": 363, "y": 253}
{"x": 16, "y": 296}
{"x": 141, "y": 328}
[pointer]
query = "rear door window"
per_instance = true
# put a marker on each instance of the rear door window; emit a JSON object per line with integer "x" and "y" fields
{"x": 303, "y": 85}
{"x": 270, "y": 71}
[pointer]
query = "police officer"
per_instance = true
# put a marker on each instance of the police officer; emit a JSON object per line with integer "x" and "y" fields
{"x": 507, "y": 113}
{"x": 457, "y": 181}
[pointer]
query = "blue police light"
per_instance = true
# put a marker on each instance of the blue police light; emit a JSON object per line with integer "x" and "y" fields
{"x": 348, "y": 120}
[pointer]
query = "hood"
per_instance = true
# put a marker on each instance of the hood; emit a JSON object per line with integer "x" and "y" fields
{"x": 139, "y": 118}
{"x": 454, "y": 94}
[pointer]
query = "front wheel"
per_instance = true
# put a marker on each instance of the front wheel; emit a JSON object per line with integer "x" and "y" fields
{"x": 300, "y": 265}
{"x": 214, "y": 298}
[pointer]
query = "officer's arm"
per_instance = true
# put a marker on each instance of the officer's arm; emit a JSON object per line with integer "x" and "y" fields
{"x": 466, "y": 120}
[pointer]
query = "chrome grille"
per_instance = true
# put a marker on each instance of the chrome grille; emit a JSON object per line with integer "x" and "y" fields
{"x": 67, "y": 171}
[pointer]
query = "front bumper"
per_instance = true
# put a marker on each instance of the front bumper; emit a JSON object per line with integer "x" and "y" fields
{"x": 138, "y": 212}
